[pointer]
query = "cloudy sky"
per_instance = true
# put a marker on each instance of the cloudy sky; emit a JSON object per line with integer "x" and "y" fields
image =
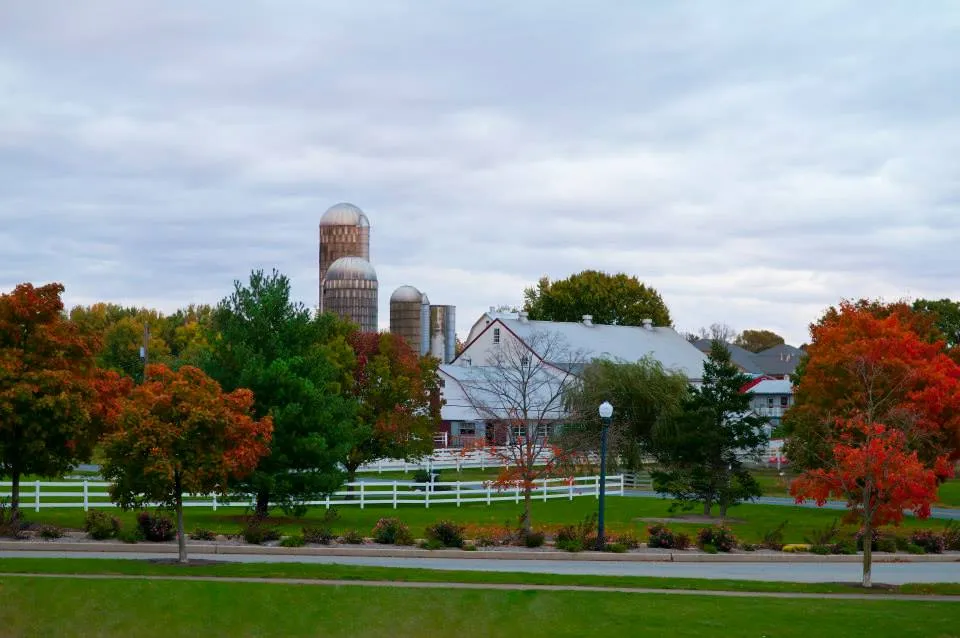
{"x": 753, "y": 161}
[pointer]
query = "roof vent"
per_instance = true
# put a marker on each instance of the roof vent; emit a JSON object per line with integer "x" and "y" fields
{"x": 522, "y": 316}
{"x": 588, "y": 320}
{"x": 648, "y": 324}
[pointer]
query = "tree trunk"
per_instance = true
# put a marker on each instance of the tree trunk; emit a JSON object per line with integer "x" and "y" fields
{"x": 181, "y": 537}
{"x": 867, "y": 538}
{"x": 263, "y": 504}
{"x": 15, "y": 498}
{"x": 723, "y": 507}
{"x": 707, "y": 506}
{"x": 527, "y": 500}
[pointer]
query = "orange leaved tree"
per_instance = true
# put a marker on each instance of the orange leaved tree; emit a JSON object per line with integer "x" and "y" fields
{"x": 47, "y": 390}
{"x": 179, "y": 433}
{"x": 876, "y": 416}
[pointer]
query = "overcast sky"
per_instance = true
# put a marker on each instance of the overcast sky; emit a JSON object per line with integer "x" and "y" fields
{"x": 753, "y": 161}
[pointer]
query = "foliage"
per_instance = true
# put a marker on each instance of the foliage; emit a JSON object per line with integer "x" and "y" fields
{"x": 484, "y": 536}
{"x": 951, "y": 536}
{"x": 156, "y": 528}
{"x": 257, "y": 532}
{"x": 700, "y": 451}
{"x": 931, "y": 541}
{"x": 200, "y": 534}
{"x": 11, "y": 525}
{"x": 320, "y": 535}
{"x": 448, "y": 533}
{"x": 100, "y": 525}
{"x": 47, "y": 392}
{"x": 423, "y": 476}
{"x": 628, "y": 539}
{"x": 431, "y": 544}
{"x": 572, "y": 545}
{"x": 660, "y": 536}
{"x": 644, "y": 395}
{"x": 395, "y": 390}
{"x": 50, "y": 532}
{"x": 946, "y": 315}
{"x": 757, "y": 340}
{"x": 773, "y": 539}
{"x": 611, "y": 299}
{"x": 352, "y": 537}
{"x": 180, "y": 433}
{"x": 293, "y": 541}
{"x": 392, "y": 531}
{"x": 130, "y": 535}
{"x": 825, "y": 535}
{"x": 720, "y": 537}
{"x": 299, "y": 369}
{"x": 534, "y": 538}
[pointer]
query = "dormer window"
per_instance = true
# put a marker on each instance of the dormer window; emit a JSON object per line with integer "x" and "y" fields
{"x": 496, "y": 335}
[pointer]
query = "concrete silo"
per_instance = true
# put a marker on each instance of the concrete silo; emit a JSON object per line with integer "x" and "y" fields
{"x": 443, "y": 332}
{"x": 344, "y": 232}
{"x": 424, "y": 325}
{"x": 350, "y": 291}
{"x": 406, "y": 317}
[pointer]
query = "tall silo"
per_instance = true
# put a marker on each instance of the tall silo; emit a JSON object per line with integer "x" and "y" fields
{"x": 424, "y": 325}
{"x": 350, "y": 291}
{"x": 344, "y": 232}
{"x": 443, "y": 333}
{"x": 405, "y": 315}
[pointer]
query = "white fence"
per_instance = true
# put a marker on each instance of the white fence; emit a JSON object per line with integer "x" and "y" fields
{"x": 446, "y": 458}
{"x": 93, "y": 494}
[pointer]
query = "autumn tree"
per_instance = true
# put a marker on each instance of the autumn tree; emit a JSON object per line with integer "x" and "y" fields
{"x": 946, "y": 314}
{"x": 644, "y": 394}
{"x": 299, "y": 368}
{"x": 611, "y": 299}
{"x": 757, "y": 340}
{"x": 519, "y": 392}
{"x": 47, "y": 387}
{"x": 876, "y": 417}
{"x": 179, "y": 433}
{"x": 700, "y": 452}
{"x": 717, "y": 331}
{"x": 394, "y": 388}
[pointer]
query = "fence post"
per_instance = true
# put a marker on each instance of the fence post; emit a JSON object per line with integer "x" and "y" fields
{"x": 458, "y": 493}
{"x": 571, "y": 489}
{"x": 488, "y": 493}
{"x": 328, "y": 500}
{"x": 458, "y": 464}
{"x": 516, "y": 491}
{"x": 621, "y": 485}
{"x": 483, "y": 461}
{"x": 426, "y": 496}
{"x": 361, "y": 495}
{"x": 544, "y": 490}
{"x": 596, "y": 487}
{"x": 394, "y": 495}
{"x": 36, "y": 495}
{"x": 379, "y": 466}
{"x": 86, "y": 496}
{"x": 214, "y": 501}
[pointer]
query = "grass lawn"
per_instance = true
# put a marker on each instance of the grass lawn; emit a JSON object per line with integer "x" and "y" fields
{"x": 402, "y": 574}
{"x": 62, "y": 607}
{"x": 950, "y": 494}
{"x": 748, "y": 521}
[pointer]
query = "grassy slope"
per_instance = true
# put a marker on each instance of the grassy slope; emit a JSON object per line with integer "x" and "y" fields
{"x": 354, "y": 572}
{"x": 60, "y": 607}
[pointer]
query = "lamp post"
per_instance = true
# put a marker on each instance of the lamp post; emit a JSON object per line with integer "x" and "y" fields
{"x": 606, "y": 411}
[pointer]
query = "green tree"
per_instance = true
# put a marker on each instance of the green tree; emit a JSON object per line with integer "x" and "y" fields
{"x": 700, "y": 451}
{"x": 611, "y": 299}
{"x": 757, "y": 340}
{"x": 643, "y": 394}
{"x": 947, "y": 317}
{"x": 299, "y": 368}
{"x": 395, "y": 390}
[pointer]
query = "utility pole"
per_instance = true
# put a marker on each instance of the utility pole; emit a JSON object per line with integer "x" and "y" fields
{"x": 144, "y": 352}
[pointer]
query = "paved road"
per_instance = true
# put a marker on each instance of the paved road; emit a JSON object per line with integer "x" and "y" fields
{"x": 891, "y": 573}
{"x": 320, "y": 582}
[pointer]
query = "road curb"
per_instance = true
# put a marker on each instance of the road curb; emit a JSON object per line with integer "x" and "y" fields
{"x": 393, "y": 552}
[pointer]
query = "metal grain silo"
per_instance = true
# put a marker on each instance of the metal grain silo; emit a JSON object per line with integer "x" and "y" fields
{"x": 405, "y": 316}
{"x": 344, "y": 232}
{"x": 350, "y": 291}
{"x": 443, "y": 332}
{"x": 424, "y": 325}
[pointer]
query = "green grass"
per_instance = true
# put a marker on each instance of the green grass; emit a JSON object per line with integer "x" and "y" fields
{"x": 401, "y": 574}
{"x": 748, "y": 521}
{"x": 71, "y": 608}
{"x": 949, "y": 495}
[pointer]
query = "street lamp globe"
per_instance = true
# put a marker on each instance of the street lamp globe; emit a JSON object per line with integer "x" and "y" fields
{"x": 606, "y": 410}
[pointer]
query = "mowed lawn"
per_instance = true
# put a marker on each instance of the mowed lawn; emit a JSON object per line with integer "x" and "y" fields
{"x": 68, "y": 608}
{"x": 748, "y": 521}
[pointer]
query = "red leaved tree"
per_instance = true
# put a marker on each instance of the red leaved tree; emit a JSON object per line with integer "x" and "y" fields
{"x": 519, "y": 393}
{"x": 179, "y": 433}
{"x": 876, "y": 416}
{"x": 47, "y": 391}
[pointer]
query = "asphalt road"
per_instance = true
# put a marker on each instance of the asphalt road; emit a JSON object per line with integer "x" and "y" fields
{"x": 890, "y": 573}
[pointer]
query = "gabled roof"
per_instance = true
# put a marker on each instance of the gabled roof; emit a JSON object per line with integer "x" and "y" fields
{"x": 623, "y": 343}
{"x": 742, "y": 357}
{"x": 773, "y": 386}
{"x": 779, "y": 360}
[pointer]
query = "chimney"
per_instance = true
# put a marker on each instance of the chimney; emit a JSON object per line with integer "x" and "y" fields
{"x": 588, "y": 320}
{"x": 648, "y": 324}
{"x": 522, "y": 316}
{"x": 493, "y": 309}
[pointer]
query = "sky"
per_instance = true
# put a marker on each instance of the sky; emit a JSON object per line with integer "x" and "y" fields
{"x": 755, "y": 162}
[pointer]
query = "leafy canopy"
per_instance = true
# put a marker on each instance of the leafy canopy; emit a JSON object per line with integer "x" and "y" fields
{"x": 758, "y": 340}
{"x": 611, "y": 299}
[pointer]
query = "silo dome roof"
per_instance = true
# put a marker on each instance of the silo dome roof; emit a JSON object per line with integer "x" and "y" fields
{"x": 424, "y": 299}
{"x": 406, "y": 293}
{"x": 347, "y": 268}
{"x": 344, "y": 214}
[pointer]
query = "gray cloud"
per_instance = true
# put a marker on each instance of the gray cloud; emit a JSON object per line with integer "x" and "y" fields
{"x": 755, "y": 164}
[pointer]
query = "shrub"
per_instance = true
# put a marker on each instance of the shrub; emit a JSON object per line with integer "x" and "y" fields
{"x": 9, "y": 527}
{"x": 628, "y": 539}
{"x": 823, "y": 550}
{"x": 660, "y": 536}
{"x": 131, "y": 535}
{"x": 448, "y": 533}
{"x": 913, "y": 548}
{"x": 796, "y": 548}
{"x": 570, "y": 545}
{"x": 392, "y": 531}
{"x": 292, "y": 541}
{"x": 469, "y": 548}
{"x": 709, "y": 548}
{"x": 534, "y": 538}
{"x": 200, "y": 534}
{"x": 616, "y": 548}
{"x": 50, "y": 532}
{"x": 565, "y": 534}
{"x": 156, "y": 528}
{"x": 881, "y": 542}
{"x": 352, "y": 536}
{"x": 257, "y": 532}
{"x": 721, "y": 537}
{"x": 823, "y": 535}
{"x": 750, "y": 547}
{"x": 100, "y": 525}
{"x": 929, "y": 540}
{"x": 846, "y": 546}
{"x": 951, "y": 536}
{"x": 492, "y": 536}
{"x": 432, "y": 543}
{"x": 422, "y": 476}
{"x": 773, "y": 539}
{"x": 320, "y": 535}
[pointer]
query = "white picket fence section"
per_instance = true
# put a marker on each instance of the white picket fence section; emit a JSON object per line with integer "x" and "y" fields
{"x": 94, "y": 494}
{"x": 447, "y": 458}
